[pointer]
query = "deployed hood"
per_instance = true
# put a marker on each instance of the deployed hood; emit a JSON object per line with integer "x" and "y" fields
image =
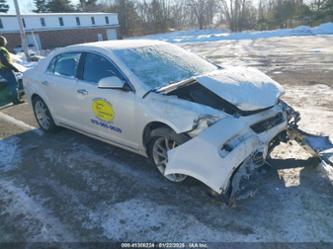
{"x": 246, "y": 88}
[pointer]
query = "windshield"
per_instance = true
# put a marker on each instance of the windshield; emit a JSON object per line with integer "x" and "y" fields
{"x": 160, "y": 65}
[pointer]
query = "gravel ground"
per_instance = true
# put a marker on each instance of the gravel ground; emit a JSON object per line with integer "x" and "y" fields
{"x": 68, "y": 187}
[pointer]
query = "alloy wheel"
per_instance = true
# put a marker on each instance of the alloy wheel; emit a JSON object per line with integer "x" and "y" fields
{"x": 42, "y": 115}
{"x": 161, "y": 147}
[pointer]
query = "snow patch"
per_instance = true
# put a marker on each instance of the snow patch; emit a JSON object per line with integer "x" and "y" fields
{"x": 21, "y": 205}
{"x": 193, "y": 36}
{"x": 81, "y": 152}
{"x": 311, "y": 99}
{"x": 22, "y": 63}
{"x": 326, "y": 28}
{"x": 134, "y": 220}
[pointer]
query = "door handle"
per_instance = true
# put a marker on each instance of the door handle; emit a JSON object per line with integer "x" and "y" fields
{"x": 45, "y": 83}
{"x": 82, "y": 92}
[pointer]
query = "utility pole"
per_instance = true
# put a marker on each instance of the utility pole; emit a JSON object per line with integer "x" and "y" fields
{"x": 22, "y": 33}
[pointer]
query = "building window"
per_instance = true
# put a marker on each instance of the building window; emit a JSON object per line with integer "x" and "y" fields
{"x": 42, "y": 21}
{"x": 61, "y": 21}
{"x": 1, "y": 25}
{"x": 93, "y": 20}
{"x": 107, "y": 20}
{"x": 23, "y": 22}
{"x": 78, "y": 23}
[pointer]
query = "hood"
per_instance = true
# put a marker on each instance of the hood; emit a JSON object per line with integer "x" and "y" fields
{"x": 246, "y": 88}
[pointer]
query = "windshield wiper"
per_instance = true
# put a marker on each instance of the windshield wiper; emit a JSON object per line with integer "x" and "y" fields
{"x": 176, "y": 84}
{"x": 154, "y": 90}
{"x": 163, "y": 88}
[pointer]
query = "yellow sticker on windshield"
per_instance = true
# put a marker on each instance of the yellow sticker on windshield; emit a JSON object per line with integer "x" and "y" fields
{"x": 103, "y": 110}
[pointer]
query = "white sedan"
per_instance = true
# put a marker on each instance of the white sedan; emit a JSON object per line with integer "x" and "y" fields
{"x": 191, "y": 117}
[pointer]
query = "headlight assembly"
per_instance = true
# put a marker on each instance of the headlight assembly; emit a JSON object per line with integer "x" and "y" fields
{"x": 202, "y": 123}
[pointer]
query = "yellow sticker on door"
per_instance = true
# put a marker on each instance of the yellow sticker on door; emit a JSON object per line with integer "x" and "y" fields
{"x": 103, "y": 110}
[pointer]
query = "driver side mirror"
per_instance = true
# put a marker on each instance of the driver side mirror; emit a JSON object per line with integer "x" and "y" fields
{"x": 113, "y": 82}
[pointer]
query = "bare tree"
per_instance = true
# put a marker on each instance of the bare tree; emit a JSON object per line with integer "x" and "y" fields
{"x": 179, "y": 14}
{"x": 151, "y": 16}
{"x": 234, "y": 12}
{"x": 204, "y": 11}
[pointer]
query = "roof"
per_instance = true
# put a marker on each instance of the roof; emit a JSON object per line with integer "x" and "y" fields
{"x": 62, "y": 14}
{"x": 120, "y": 44}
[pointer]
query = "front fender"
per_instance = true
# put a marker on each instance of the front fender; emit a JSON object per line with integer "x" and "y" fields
{"x": 178, "y": 114}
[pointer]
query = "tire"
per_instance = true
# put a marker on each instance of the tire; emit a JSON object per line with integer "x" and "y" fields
{"x": 158, "y": 153}
{"x": 43, "y": 115}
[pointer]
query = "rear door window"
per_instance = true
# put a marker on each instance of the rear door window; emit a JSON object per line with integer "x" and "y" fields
{"x": 65, "y": 65}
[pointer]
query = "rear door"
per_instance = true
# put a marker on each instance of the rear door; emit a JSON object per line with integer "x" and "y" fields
{"x": 61, "y": 84}
{"x": 108, "y": 113}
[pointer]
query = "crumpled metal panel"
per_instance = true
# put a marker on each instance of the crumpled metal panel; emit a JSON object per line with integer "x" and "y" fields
{"x": 200, "y": 157}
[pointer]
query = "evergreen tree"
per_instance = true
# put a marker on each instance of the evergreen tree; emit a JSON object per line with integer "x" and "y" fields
{"x": 4, "y": 7}
{"x": 88, "y": 6}
{"x": 59, "y": 6}
{"x": 41, "y": 6}
{"x": 129, "y": 19}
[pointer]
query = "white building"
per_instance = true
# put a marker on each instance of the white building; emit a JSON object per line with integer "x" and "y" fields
{"x": 49, "y": 30}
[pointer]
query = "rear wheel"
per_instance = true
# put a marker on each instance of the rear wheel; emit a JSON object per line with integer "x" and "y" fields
{"x": 163, "y": 140}
{"x": 43, "y": 115}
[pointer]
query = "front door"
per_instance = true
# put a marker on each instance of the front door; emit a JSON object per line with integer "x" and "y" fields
{"x": 107, "y": 113}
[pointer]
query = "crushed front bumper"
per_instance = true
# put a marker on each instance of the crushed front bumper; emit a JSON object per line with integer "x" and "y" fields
{"x": 215, "y": 154}
{"x": 317, "y": 146}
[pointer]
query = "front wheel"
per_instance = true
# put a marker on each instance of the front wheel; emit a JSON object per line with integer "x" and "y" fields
{"x": 163, "y": 140}
{"x": 43, "y": 115}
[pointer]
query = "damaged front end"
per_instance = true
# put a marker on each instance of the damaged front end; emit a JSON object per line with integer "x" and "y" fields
{"x": 227, "y": 155}
{"x": 217, "y": 152}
